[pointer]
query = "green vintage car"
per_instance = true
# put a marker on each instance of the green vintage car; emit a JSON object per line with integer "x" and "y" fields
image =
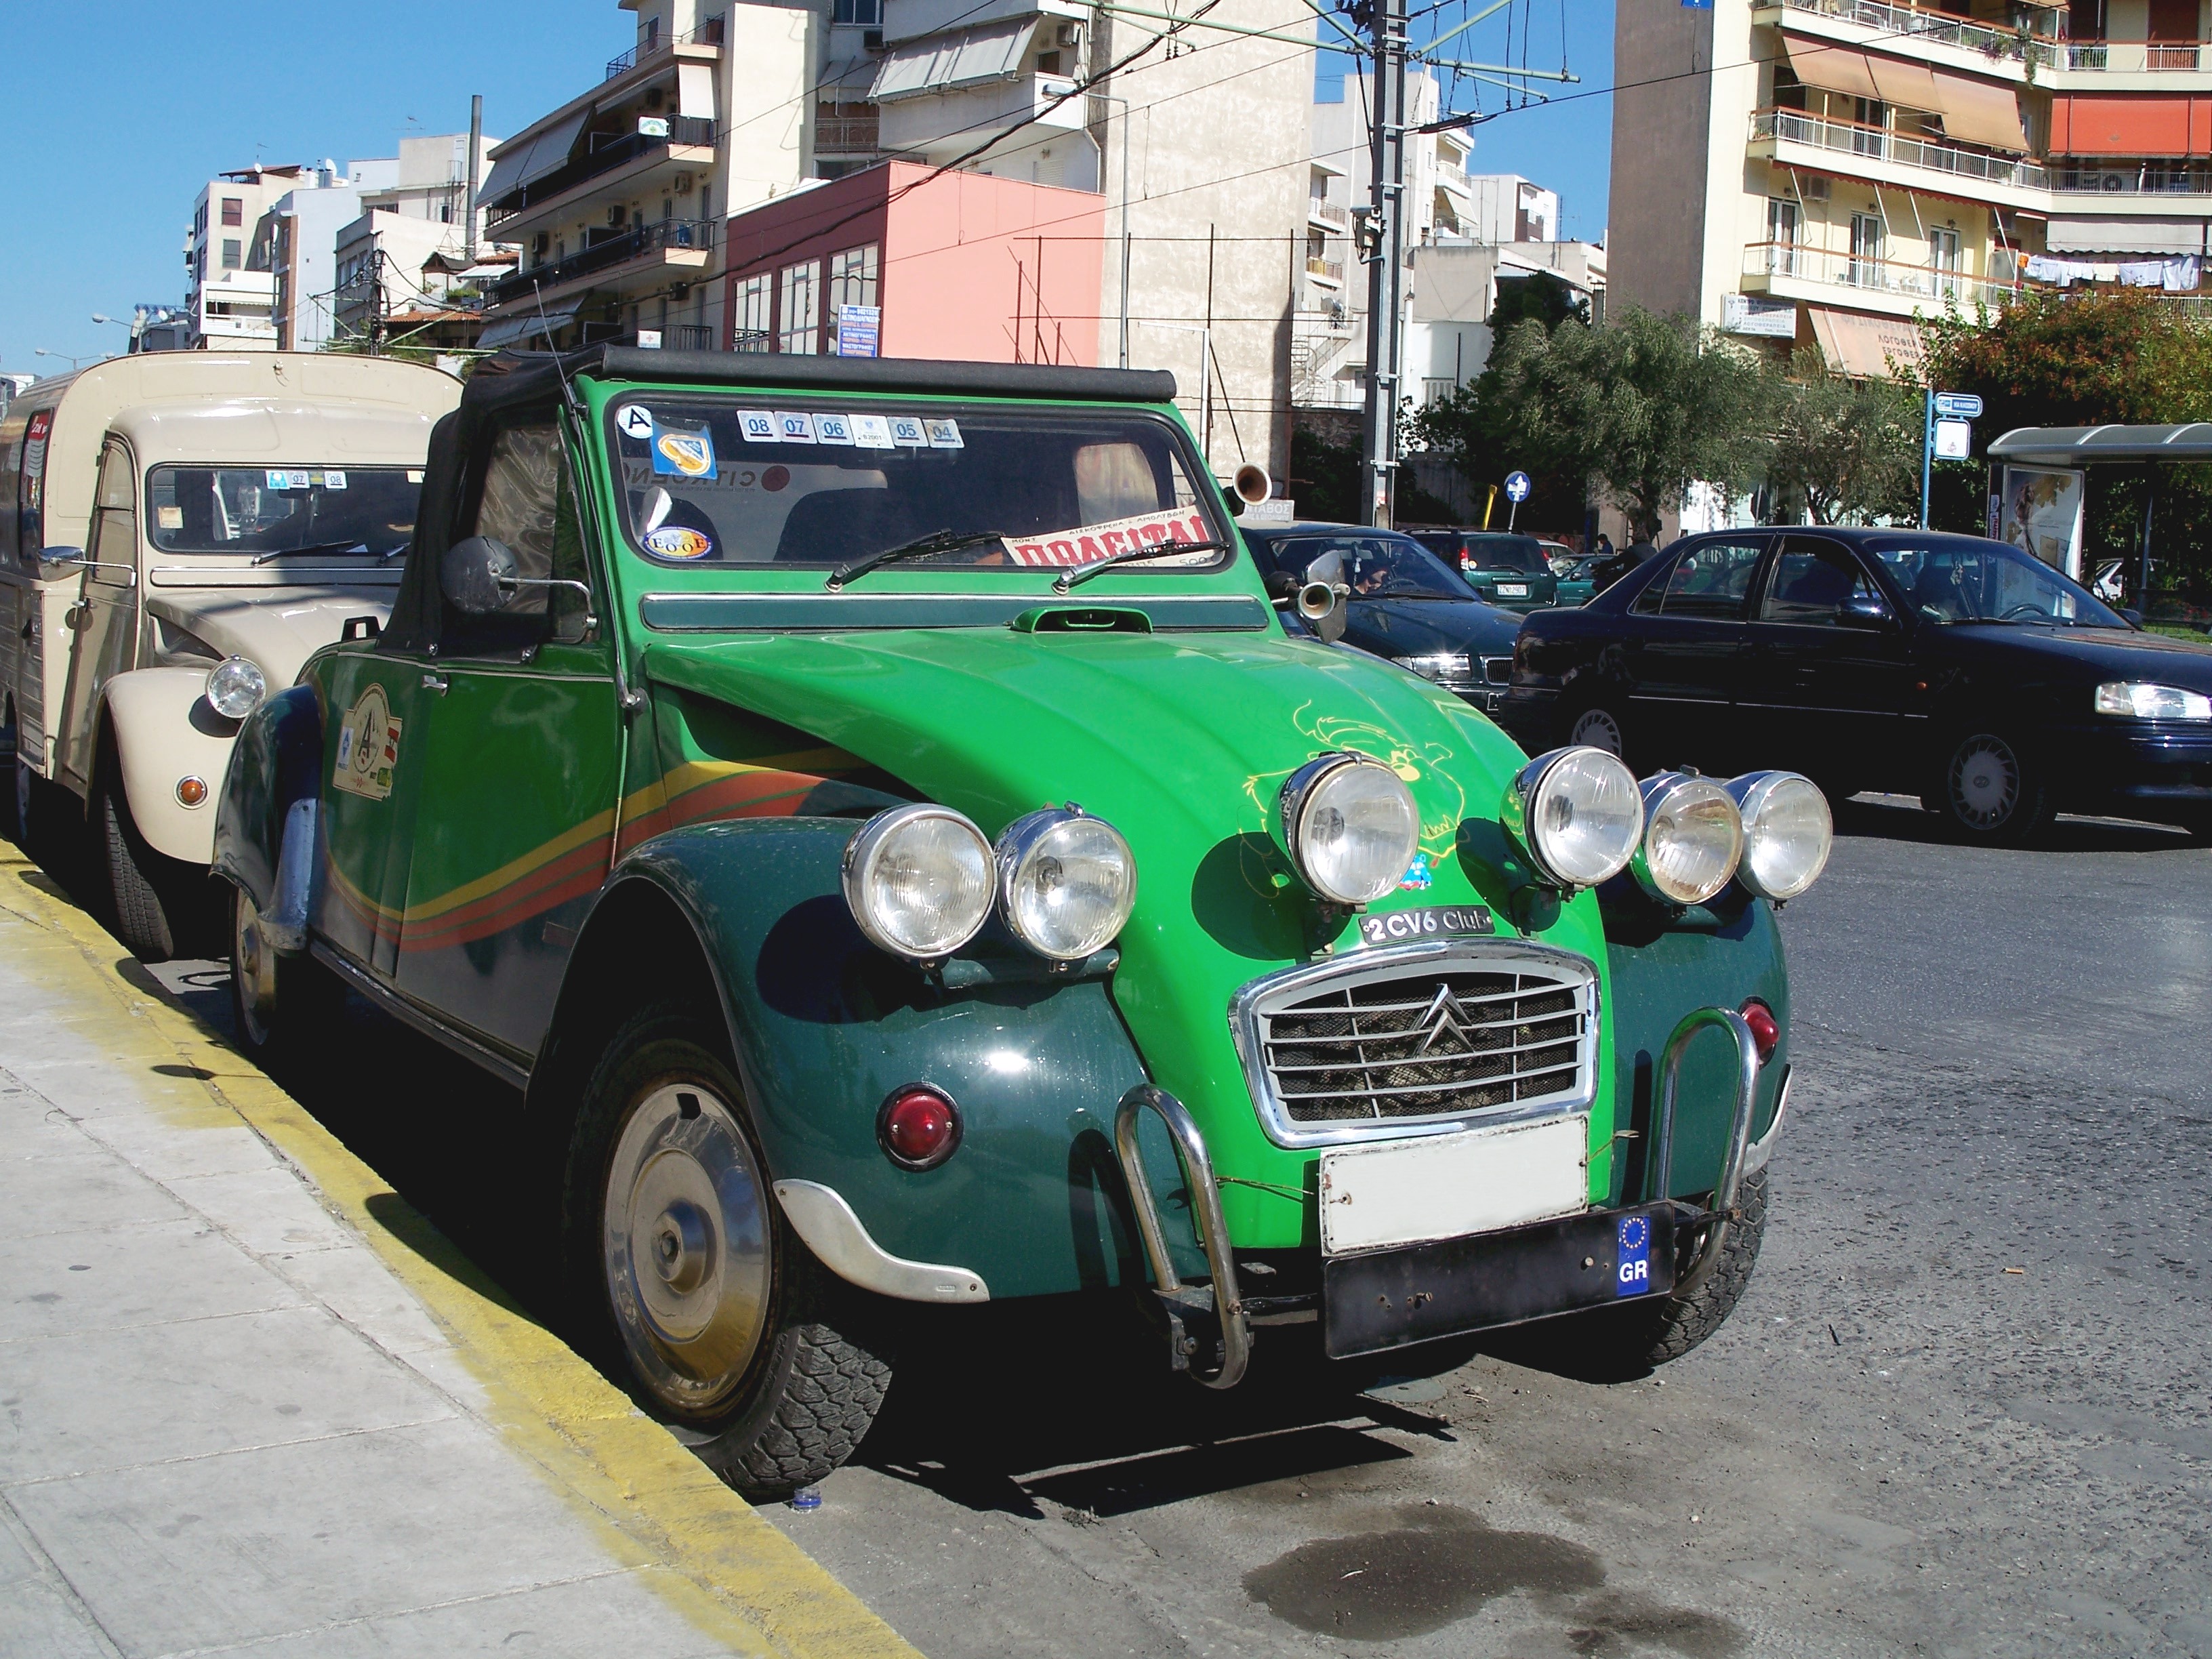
{"x": 874, "y": 811}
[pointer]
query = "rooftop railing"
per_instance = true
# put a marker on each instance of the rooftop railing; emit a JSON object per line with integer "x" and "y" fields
{"x": 2135, "y": 57}
{"x": 709, "y": 33}
{"x": 1939, "y": 26}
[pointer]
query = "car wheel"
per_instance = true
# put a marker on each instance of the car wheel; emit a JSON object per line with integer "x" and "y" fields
{"x": 141, "y": 891}
{"x": 1599, "y": 728}
{"x": 278, "y": 1004}
{"x": 1992, "y": 790}
{"x": 682, "y": 1272}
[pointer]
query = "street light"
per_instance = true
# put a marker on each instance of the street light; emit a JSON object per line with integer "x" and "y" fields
{"x": 40, "y": 351}
{"x": 102, "y": 317}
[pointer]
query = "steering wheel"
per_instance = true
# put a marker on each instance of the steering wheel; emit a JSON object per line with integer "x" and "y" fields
{"x": 2032, "y": 610}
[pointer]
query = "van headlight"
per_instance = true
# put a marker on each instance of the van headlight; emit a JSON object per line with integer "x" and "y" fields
{"x": 1067, "y": 882}
{"x": 235, "y": 687}
{"x": 1576, "y": 814}
{"x": 1350, "y": 826}
{"x": 2140, "y": 701}
{"x": 918, "y": 881}
{"x": 1692, "y": 839}
{"x": 1787, "y": 832}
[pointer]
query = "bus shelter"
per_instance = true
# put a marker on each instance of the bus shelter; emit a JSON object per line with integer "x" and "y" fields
{"x": 2038, "y": 476}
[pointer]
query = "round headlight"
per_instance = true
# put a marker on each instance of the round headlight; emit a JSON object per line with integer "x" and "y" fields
{"x": 1350, "y": 826}
{"x": 1692, "y": 839}
{"x": 1067, "y": 883}
{"x": 1787, "y": 832}
{"x": 235, "y": 687}
{"x": 1577, "y": 815}
{"x": 918, "y": 879}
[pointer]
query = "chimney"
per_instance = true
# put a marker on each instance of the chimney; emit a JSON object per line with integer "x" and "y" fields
{"x": 475, "y": 151}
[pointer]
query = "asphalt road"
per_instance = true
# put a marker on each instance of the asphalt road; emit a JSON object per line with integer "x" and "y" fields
{"x": 1962, "y": 1410}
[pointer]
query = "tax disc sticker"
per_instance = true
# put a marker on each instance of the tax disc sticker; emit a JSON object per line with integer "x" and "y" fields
{"x": 944, "y": 435}
{"x": 334, "y": 481}
{"x": 635, "y": 421}
{"x": 833, "y": 428}
{"x": 872, "y": 432}
{"x": 794, "y": 426}
{"x": 908, "y": 429}
{"x": 758, "y": 426}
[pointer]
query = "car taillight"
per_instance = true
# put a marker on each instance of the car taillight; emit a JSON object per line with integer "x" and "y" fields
{"x": 1765, "y": 1034}
{"x": 918, "y": 1127}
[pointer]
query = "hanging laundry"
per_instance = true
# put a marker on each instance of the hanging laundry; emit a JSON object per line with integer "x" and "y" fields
{"x": 2142, "y": 273}
{"x": 2105, "y": 271}
{"x": 2180, "y": 276}
{"x": 2042, "y": 268}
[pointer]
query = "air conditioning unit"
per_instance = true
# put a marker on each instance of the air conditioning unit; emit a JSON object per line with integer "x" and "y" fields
{"x": 1814, "y": 190}
{"x": 2112, "y": 182}
{"x": 682, "y": 184}
{"x": 871, "y": 40}
{"x": 1069, "y": 35}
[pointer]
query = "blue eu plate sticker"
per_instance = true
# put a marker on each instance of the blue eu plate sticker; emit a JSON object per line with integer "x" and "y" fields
{"x": 1634, "y": 1276}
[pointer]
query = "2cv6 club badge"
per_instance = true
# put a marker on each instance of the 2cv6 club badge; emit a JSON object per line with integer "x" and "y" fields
{"x": 871, "y": 914}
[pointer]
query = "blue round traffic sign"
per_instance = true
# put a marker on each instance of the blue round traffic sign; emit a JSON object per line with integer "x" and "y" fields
{"x": 1517, "y": 486}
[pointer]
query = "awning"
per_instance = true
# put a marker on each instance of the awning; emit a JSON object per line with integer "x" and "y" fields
{"x": 1908, "y": 86}
{"x": 1978, "y": 112}
{"x": 946, "y": 62}
{"x": 2131, "y": 126}
{"x": 1865, "y": 347}
{"x": 2116, "y": 236}
{"x": 533, "y": 158}
{"x": 694, "y": 89}
{"x": 2084, "y": 446}
{"x": 509, "y": 330}
{"x": 1832, "y": 69}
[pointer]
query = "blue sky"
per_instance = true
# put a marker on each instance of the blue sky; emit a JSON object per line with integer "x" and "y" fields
{"x": 139, "y": 105}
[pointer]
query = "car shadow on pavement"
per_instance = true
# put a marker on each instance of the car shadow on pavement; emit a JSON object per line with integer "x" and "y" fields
{"x": 1900, "y": 817}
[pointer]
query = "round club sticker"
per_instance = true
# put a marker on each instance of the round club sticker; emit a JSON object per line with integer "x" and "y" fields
{"x": 687, "y": 453}
{"x": 635, "y": 421}
{"x": 673, "y": 541}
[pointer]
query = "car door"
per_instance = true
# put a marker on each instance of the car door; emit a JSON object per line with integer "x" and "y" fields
{"x": 520, "y": 745}
{"x": 372, "y": 761}
{"x": 103, "y": 623}
{"x": 1830, "y": 670}
{"x": 1685, "y": 646}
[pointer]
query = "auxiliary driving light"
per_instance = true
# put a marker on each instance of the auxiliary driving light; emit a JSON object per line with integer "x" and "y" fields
{"x": 1067, "y": 882}
{"x": 1787, "y": 832}
{"x": 918, "y": 881}
{"x": 1692, "y": 839}
{"x": 1576, "y": 814}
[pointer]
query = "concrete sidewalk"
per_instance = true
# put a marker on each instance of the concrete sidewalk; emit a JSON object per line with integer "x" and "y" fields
{"x": 256, "y": 1404}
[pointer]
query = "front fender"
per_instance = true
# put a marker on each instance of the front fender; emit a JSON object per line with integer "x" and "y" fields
{"x": 275, "y": 761}
{"x": 164, "y": 730}
{"x": 826, "y": 1027}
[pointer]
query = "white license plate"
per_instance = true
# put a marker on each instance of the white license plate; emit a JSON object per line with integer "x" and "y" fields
{"x": 1512, "y": 590}
{"x": 1478, "y": 1180}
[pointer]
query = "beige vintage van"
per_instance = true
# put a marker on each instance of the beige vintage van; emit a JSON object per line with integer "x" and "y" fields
{"x": 178, "y": 531}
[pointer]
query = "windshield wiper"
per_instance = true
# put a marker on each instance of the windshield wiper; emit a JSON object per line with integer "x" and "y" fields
{"x": 938, "y": 541}
{"x": 1076, "y": 576}
{"x": 355, "y": 546}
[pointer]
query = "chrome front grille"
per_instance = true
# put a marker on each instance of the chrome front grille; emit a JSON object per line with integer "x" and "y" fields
{"x": 1498, "y": 671}
{"x": 1377, "y": 1043}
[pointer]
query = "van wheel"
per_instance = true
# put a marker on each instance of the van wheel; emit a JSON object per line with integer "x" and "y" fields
{"x": 278, "y": 1004}
{"x": 683, "y": 1273}
{"x": 144, "y": 889}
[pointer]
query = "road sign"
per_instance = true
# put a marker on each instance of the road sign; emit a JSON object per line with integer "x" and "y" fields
{"x": 1958, "y": 405}
{"x": 1516, "y": 487}
{"x": 1954, "y": 441}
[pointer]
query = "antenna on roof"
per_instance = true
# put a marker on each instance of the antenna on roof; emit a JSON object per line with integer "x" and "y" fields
{"x": 568, "y": 392}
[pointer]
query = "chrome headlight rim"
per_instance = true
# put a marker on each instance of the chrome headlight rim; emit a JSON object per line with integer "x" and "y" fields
{"x": 1671, "y": 792}
{"x": 1524, "y": 797}
{"x": 866, "y": 847}
{"x": 1751, "y": 793}
{"x": 2195, "y": 707}
{"x": 1023, "y": 840}
{"x": 235, "y": 687}
{"x": 1302, "y": 792}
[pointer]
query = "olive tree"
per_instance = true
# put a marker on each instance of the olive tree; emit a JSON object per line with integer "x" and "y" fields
{"x": 1847, "y": 449}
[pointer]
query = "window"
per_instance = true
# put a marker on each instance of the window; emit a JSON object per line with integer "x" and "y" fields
{"x": 1709, "y": 582}
{"x": 1867, "y": 250}
{"x": 853, "y": 278}
{"x": 799, "y": 291}
{"x": 862, "y": 14}
{"x": 525, "y": 502}
{"x": 1782, "y": 237}
{"x": 234, "y": 211}
{"x": 1811, "y": 581}
{"x": 252, "y": 509}
{"x": 1943, "y": 260}
{"x": 234, "y": 252}
{"x": 755, "y": 318}
{"x": 1873, "y": 115}
{"x": 114, "y": 542}
{"x": 1048, "y": 62}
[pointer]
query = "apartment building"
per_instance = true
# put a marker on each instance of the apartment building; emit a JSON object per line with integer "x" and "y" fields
{"x": 232, "y": 305}
{"x": 1822, "y": 172}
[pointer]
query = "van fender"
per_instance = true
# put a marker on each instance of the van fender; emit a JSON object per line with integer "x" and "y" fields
{"x": 163, "y": 730}
{"x": 265, "y": 817}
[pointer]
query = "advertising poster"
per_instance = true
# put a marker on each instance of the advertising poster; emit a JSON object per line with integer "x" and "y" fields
{"x": 2040, "y": 510}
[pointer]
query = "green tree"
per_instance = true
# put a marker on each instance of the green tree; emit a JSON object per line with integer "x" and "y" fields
{"x": 1845, "y": 449}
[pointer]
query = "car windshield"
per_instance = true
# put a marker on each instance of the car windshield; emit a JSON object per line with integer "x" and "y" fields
{"x": 1517, "y": 553}
{"x": 709, "y": 481}
{"x": 1965, "y": 578}
{"x": 1378, "y": 567}
{"x": 281, "y": 509}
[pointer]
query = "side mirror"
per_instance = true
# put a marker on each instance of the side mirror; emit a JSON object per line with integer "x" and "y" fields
{"x": 50, "y": 559}
{"x": 477, "y": 574}
{"x": 2134, "y": 618}
{"x": 1871, "y": 614}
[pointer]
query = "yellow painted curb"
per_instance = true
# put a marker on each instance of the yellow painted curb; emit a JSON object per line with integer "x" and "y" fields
{"x": 733, "y": 1575}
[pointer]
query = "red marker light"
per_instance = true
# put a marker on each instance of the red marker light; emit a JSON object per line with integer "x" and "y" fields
{"x": 1765, "y": 1034}
{"x": 918, "y": 1128}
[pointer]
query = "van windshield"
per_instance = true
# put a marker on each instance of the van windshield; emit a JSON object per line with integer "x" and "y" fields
{"x": 278, "y": 510}
{"x": 714, "y": 483}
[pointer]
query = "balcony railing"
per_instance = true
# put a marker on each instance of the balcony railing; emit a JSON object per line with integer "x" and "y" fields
{"x": 1331, "y": 269}
{"x": 615, "y": 153}
{"x": 2134, "y": 56}
{"x": 1879, "y": 144}
{"x": 1328, "y": 213}
{"x": 757, "y": 339}
{"x": 1841, "y": 270}
{"x": 2132, "y": 178}
{"x": 841, "y": 135}
{"x": 1936, "y": 26}
{"x": 709, "y": 33}
{"x": 618, "y": 250}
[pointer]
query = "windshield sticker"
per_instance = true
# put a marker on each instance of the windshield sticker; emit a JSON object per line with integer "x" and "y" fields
{"x": 872, "y": 432}
{"x": 635, "y": 421}
{"x": 334, "y": 481}
{"x": 1102, "y": 541}
{"x": 794, "y": 427}
{"x": 908, "y": 429}
{"x": 944, "y": 435}
{"x": 169, "y": 517}
{"x": 368, "y": 747}
{"x": 676, "y": 541}
{"x": 279, "y": 478}
{"x": 758, "y": 426}
{"x": 686, "y": 451}
{"x": 833, "y": 428}
{"x": 414, "y": 475}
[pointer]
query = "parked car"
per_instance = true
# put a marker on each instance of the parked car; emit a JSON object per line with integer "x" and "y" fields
{"x": 1403, "y": 605}
{"x": 1961, "y": 670}
{"x": 870, "y": 809}
{"x": 1509, "y": 570}
{"x": 1578, "y": 580}
{"x": 189, "y": 526}
{"x": 1558, "y": 555}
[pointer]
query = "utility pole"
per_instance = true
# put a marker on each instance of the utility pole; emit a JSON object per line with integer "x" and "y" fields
{"x": 476, "y": 148}
{"x": 1383, "y": 239}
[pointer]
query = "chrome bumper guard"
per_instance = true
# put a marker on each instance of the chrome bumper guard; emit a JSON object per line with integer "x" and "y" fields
{"x": 1219, "y": 1303}
{"x": 1659, "y": 1165}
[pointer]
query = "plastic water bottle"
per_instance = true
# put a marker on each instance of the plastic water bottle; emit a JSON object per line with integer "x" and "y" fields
{"x": 806, "y": 1498}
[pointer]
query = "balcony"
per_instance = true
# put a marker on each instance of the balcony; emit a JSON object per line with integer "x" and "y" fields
{"x": 709, "y": 33}
{"x": 2131, "y": 180}
{"x": 847, "y": 134}
{"x": 2133, "y": 56}
{"x": 1937, "y": 26}
{"x": 1850, "y": 139}
{"x": 690, "y": 131}
{"x": 1329, "y": 271}
{"x": 1790, "y": 270}
{"x": 673, "y": 241}
{"x": 1328, "y": 213}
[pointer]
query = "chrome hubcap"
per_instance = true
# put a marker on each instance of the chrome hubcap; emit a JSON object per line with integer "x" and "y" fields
{"x": 1984, "y": 781}
{"x": 254, "y": 964}
{"x": 687, "y": 1246}
{"x": 1597, "y": 730}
